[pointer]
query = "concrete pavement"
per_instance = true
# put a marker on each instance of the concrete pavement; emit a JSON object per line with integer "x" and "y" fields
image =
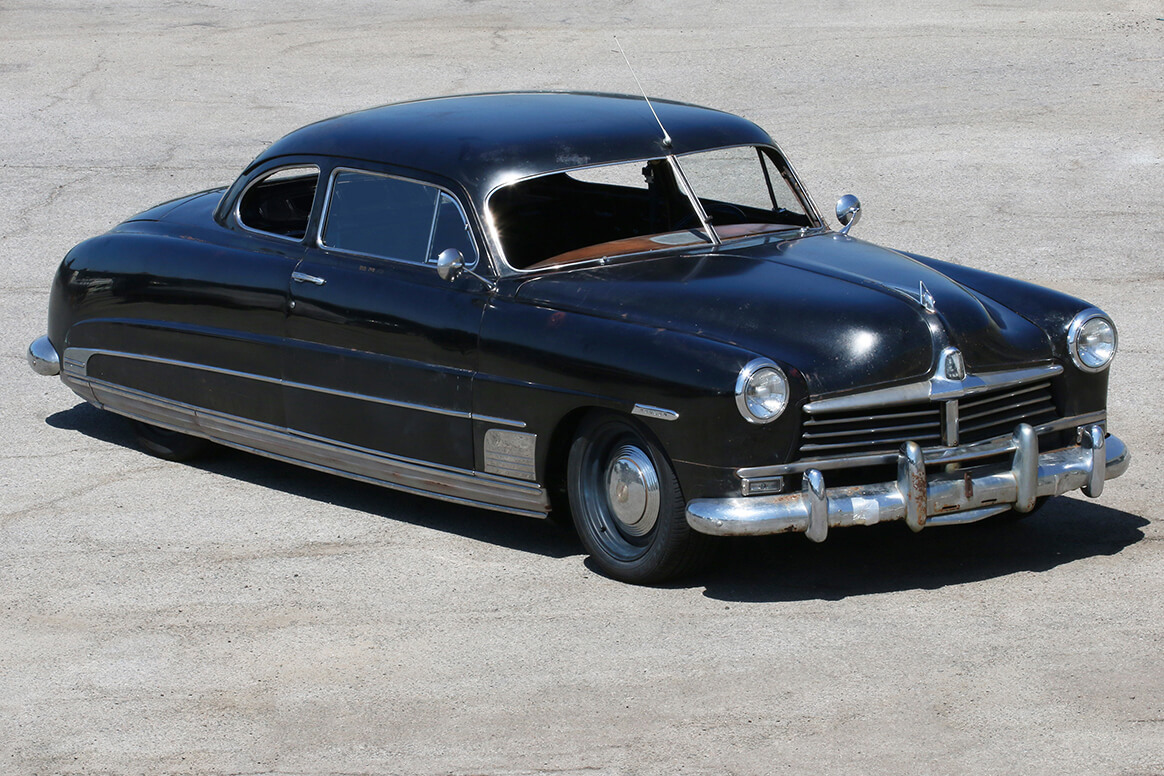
{"x": 243, "y": 616}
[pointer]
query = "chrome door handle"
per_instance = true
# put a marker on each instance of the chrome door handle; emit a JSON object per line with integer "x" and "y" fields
{"x": 302, "y": 277}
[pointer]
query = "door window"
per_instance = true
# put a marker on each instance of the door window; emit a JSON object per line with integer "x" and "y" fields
{"x": 393, "y": 218}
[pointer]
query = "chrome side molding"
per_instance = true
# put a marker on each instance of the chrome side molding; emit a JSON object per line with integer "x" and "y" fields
{"x": 77, "y": 366}
{"x": 660, "y": 413}
{"x": 461, "y": 486}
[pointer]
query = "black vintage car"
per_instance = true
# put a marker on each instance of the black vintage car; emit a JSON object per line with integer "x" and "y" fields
{"x": 537, "y": 302}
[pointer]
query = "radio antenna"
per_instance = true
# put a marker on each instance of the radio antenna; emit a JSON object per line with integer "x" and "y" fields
{"x": 666, "y": 137}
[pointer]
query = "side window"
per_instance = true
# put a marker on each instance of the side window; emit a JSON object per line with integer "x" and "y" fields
{"x": 378, "y": 215}
{"x": 280, "y": 202}
{"x": 450, "y": 230}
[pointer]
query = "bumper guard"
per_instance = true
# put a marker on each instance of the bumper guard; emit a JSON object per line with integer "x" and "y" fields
{"x": 949, "y": 497}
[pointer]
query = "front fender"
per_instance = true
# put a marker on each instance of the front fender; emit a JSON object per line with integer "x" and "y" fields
{"x": 541, "y": 365}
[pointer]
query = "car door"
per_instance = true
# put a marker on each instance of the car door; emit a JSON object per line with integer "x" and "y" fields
{"x": 380, "y": 351}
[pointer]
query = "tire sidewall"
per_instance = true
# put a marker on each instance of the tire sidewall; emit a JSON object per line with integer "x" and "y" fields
{"x": 664, "y": 545}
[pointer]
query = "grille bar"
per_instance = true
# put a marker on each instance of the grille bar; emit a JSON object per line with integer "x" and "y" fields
{"x": 1035, "y": 401}
{"x": 869, "y": 445}
{"x": 868, "y": 431}
{"x": 868, "y": 418}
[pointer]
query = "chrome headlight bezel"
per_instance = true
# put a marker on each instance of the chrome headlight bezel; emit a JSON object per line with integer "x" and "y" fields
{"x": 756, "y": 370}
{"x": 1075, "y": 337}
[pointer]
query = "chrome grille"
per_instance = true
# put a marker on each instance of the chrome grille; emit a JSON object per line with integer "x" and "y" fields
{"x": 992, "y": 414}
{"x": 862, "y": 432}
{"x": 970, "y": 418}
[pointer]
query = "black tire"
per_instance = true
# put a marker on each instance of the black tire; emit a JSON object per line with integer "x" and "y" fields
{"x": 170, "y": 445}
{"x": 626, "y": 503}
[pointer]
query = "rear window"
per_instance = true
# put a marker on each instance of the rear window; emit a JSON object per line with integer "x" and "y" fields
{"x": 279, "y": 203}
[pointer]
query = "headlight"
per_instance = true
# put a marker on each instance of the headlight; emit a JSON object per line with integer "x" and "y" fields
{"x": 1092, "y": 340}
{"x": 761, "y": 391}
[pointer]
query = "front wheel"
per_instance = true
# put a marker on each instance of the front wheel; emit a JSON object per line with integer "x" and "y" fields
{"x": 626, "y": 503}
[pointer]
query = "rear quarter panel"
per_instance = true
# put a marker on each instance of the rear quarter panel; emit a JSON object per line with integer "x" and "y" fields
{"x": 165, "y": 293}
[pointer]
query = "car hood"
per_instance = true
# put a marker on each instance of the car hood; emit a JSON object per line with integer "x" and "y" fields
{"x": 845, "y": 313}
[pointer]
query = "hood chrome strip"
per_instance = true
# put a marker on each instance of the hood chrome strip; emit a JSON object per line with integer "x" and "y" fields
{"x": 935, "y": 388}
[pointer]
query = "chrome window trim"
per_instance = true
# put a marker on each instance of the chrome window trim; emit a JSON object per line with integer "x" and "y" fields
{"x": 693, "y": 198}
{"x": 236, "y": 212}
{"x": 76, "y": 360}
{"x": 1077, "y": 323}
{"x": 326, "y": 208}
{"x": 432, "y": 225}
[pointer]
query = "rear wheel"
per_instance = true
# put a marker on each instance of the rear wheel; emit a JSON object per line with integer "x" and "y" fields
{"x": 171, "y": 445}
{"x": 626, "y": 503}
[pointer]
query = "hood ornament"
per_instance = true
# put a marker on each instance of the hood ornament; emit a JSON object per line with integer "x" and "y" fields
{"x": 925, "y": 297}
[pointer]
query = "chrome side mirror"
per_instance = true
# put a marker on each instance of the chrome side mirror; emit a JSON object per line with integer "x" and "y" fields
{"x": 450, "y": 264}
{"x": 848, "y": 212}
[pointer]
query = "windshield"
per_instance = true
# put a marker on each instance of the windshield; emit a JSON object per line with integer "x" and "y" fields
{"x": 741, "y": 188}
{"x": 636, "y": 207}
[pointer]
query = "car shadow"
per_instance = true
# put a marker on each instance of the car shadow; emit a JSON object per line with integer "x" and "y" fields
{"x": 540, "y": 537}
{"x": 889, "y": 557}
{"x": 853, "y": 562}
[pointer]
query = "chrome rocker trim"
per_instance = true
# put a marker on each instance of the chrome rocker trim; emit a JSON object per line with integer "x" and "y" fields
{"x": 461, "y": 486}
{"x": 43, "y": 358}
{"x": 946, "y": 498}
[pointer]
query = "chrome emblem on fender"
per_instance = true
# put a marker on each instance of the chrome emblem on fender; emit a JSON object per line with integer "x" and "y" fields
{"x": 925, "y": 297}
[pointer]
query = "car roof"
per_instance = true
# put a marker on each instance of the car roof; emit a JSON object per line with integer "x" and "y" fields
{"x": 483, "y": 140}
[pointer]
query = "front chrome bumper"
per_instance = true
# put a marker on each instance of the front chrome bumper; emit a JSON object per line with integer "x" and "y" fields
{"x": 956, "y": 495}
{"x": 43, "y": 358}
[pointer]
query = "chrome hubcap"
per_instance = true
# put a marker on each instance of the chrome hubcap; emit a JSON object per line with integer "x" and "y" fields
{"x": 632, "y": 490}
